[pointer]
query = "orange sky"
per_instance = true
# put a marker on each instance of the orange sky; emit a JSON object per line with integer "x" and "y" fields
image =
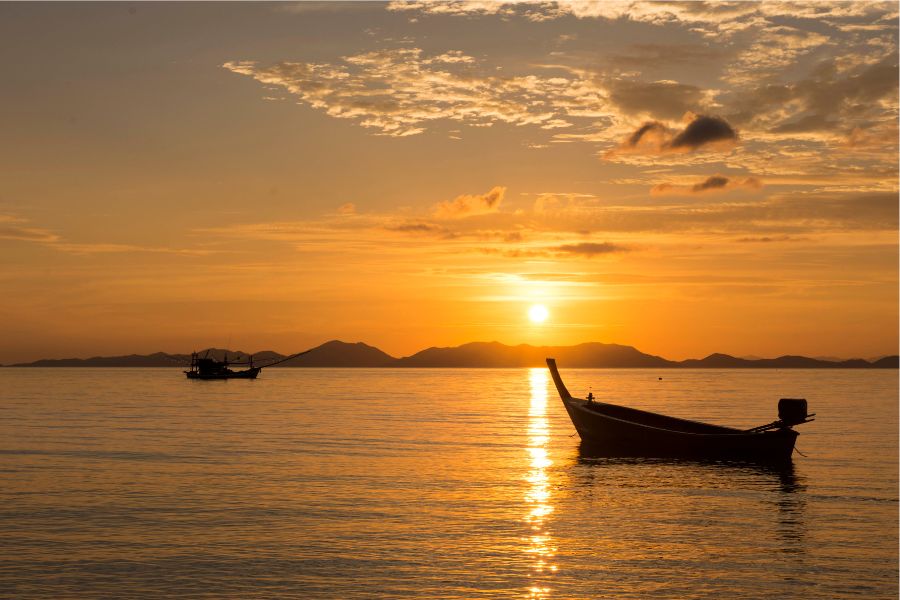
{"x": 684, "y": 178}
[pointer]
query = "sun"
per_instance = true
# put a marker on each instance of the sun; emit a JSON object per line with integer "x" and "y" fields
{"x": 538, "y": 313}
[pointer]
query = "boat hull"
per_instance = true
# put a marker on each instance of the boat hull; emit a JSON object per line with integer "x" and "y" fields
{"x": 613, "y": 430}
{"x": 246, "y": 374}
{"x": 615, "y": 437}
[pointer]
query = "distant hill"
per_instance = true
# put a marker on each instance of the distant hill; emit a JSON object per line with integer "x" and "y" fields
{"x": 495, "y": 354}
{"x": 342, "y": 354}
{"x": 477, "y": 354}
{"x": 158, "y": 359}
{"x": 887, "y": 362}
{"x": 724, "y": 361}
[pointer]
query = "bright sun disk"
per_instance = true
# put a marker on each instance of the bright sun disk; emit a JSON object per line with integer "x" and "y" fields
{"x": 538, "y": 313}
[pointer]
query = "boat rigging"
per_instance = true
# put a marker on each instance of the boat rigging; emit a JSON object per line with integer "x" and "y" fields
{"x": 209, "y": 368}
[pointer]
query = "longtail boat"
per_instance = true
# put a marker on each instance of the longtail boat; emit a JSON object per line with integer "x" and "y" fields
{"x": 621, "y": 431}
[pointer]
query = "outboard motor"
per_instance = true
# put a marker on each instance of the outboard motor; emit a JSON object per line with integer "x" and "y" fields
{"x": 792, "y": 411}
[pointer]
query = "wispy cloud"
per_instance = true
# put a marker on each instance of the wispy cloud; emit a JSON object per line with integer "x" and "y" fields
{"x": 17, "y": 229}
{"x": 399, "y": 92}
{"x": 590, "y": 248}
{"x": 709, "y": 17}
{"x": 470, "y": 205}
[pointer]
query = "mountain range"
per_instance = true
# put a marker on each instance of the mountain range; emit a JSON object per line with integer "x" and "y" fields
{"x": 477, "y": 354}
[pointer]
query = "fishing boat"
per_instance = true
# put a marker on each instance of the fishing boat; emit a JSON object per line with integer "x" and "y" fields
{"x": 615, "y": 430}
{"x": 209, "y": 368}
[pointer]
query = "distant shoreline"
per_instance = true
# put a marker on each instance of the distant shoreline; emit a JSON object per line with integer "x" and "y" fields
{"x": 594, "y": 355}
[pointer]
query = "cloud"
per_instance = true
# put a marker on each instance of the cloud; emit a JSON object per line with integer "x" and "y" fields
{"x": 559, "y": 234}
{"x": 771, "y": 50}
{"x": 714, "y": 183}
{"x": 420, "y": 227}
{"x": 661, "y": 99}
{"x": 783, "y": 214}
{"x": 767, "y": 239}
{"x": 655, "y": 55}
{"x": 348, "y": 208}
{"x": 14, "y": 228}
{"x": 453, "y": 7}
{"x": 655, "y": 137}
{"x": 470, "y": 205}
{"x": 581, "y": 249}
{"x": 703, "y": 131}
{"x": 542, "y": 10}
{"x": 829, "y": 101}
{"x": 590, "y": 248}
{"x": 654, "y": 132}
{"x": 712, "y": 19}
{"x": 400, "y": 92}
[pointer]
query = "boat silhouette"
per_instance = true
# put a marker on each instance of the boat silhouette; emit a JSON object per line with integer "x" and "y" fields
{"x": 209, "y": 368}
{"x": 615, "y": 430}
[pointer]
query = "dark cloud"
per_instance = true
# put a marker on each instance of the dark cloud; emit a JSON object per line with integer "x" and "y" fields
{"x": 654, "y": 137}
{"x": 653, "y": 127}
{"x": 828, "y": 100}
{"x": 827, "y": 94}
{"x": 712, "y": 183}
{"x": 715, "y": 183}
{"x": 590, "y": 248}
{"x": 702, "y": 131}
{"x": 416, "y": 228}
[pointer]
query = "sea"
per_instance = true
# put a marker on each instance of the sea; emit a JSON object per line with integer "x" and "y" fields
{"x": 435, "y": 483}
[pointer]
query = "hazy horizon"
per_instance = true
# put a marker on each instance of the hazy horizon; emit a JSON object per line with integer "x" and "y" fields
{"x": 681, "y": 178}
{"x": 239, "y": 351}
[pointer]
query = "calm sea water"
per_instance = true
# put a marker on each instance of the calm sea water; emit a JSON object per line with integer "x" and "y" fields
{"x": 331, "y": 483}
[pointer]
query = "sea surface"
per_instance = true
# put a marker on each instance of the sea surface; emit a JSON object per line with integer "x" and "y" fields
{"x": 434, "y": 483}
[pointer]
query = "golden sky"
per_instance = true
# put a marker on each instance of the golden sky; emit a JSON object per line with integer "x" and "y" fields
{"x": 685, "y": 178}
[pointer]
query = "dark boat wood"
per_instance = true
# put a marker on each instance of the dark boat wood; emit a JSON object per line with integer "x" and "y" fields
{"x": 614, "y": 430}
{"x": 209, "y": 368}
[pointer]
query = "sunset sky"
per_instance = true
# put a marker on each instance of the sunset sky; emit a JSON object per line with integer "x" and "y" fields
{"x": 685, "y": 178}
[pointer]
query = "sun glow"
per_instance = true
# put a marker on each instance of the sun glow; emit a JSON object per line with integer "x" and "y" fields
{"x": 538, "y": 313}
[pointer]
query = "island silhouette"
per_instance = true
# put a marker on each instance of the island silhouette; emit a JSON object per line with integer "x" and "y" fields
{"x": 337, "y": 353}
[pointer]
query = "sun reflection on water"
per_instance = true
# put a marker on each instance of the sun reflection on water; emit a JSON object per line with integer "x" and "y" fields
{"x": 538, "y": 494}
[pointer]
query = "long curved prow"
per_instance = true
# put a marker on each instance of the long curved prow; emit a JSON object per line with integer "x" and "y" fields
{"x": 560, "y": 386}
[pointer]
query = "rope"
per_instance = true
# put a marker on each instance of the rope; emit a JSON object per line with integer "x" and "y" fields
{"x": 277, "y": 362}
{"x": 287, "y": 358}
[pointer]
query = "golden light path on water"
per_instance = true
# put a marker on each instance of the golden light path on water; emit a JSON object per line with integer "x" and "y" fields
{"x": 537, "y": 497}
